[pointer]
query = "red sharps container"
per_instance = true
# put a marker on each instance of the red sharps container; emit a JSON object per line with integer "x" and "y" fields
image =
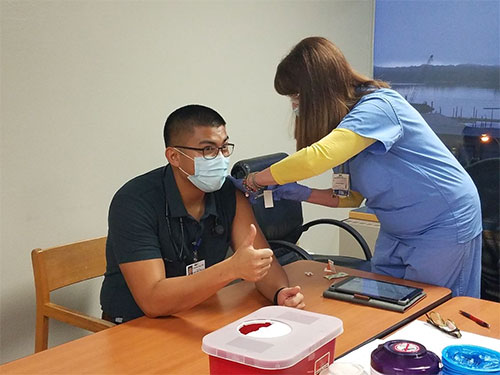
{"x": 274, "y": 340}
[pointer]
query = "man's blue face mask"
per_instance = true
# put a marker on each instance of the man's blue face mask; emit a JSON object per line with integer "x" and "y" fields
{"x": 209, "y": 174}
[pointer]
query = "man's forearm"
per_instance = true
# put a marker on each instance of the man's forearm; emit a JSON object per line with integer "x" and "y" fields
{"x": 274, "y": 280}
{"x": 176, "y": 294}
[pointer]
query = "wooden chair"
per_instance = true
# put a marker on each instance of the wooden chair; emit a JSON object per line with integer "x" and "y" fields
{"x": 60, "y": 266}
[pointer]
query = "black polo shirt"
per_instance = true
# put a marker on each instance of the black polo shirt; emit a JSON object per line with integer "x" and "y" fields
{"x": 139, "y": 229}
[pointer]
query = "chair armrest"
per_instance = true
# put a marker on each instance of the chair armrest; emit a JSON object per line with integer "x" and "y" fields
{"x": 292, "y": 247}
{"x": 357, "y": 236}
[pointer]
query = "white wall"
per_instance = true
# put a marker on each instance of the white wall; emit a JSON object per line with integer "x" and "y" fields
{"x": 85, "y": 89}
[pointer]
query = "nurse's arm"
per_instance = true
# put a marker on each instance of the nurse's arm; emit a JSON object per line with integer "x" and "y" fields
{"x": 332, "y": 150}
{"x": 325, "y": 197}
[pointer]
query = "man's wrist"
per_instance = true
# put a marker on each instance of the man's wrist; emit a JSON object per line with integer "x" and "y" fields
{"x": 275, "y": 299}
{"x": 229, "y": 269}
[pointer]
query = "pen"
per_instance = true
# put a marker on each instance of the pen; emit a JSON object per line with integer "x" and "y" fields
{"x": 474, "y": 319}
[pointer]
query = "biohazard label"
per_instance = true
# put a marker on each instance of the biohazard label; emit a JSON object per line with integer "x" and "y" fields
{"x": 322, "y": 363}
{"x": 406, "y": 347}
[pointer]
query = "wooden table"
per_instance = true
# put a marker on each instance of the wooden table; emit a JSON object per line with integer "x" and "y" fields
{"x": 172, "y": 345}
{"x": 487, "y": 311}
{"x": 363, "y": 213}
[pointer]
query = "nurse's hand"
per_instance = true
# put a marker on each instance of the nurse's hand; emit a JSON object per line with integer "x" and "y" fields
{"x": 238, "y": 184}
{"x": 292, "y": 191}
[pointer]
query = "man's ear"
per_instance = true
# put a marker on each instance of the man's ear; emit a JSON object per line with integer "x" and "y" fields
{"x": 172, "y": 156}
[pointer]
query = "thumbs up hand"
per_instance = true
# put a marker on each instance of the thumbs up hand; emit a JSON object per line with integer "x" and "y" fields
{"x": 249, "y": 263}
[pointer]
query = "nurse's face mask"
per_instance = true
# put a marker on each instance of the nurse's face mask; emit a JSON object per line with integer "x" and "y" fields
{"x": 211, "y": 169}
{"x": 295, "y": 99}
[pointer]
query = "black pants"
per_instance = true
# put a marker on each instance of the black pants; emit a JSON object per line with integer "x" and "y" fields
{"x": 109, "y": 318}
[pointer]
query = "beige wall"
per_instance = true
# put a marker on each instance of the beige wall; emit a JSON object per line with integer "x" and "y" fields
{"x": 85, "y": 89}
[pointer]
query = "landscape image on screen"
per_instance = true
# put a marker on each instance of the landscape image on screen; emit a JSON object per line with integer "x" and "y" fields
{"x": 444, "y": 57}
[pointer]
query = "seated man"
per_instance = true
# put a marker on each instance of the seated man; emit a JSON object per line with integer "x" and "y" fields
{"x": 170, "y": 229}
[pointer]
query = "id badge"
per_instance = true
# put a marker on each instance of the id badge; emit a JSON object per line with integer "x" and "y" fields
{"x": 268, "y": 199}
{"x": 340, "y": 184}
{"x": 192, "y": 268}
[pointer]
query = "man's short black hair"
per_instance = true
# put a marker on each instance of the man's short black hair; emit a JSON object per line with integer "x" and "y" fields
{"x": 184, "y": 119}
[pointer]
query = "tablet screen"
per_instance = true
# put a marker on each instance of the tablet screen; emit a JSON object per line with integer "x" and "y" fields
{"x": 376, "y": 289}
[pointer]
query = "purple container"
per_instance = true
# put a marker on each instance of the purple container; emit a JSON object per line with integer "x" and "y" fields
{"x": 399, "y": 357}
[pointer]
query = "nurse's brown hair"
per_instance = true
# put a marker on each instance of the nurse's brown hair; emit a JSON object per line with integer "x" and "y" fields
{"x": 327, "y": 85}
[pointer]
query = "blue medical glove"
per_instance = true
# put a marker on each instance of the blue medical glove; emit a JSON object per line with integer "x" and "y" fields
{"x": 292, "y": 191}
{"x": 238, "y": 184}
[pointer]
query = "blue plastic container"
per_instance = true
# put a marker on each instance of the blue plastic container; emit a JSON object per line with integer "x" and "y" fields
{"x": 470, "y": 360}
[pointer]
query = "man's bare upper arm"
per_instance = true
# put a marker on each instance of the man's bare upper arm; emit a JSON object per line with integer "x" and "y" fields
{"x": 242, "y": 219}
{"x": 142, "y": 276}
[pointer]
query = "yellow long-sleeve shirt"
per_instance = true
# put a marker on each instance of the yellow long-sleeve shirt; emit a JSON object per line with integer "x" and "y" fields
{"x": 330, "y": 151}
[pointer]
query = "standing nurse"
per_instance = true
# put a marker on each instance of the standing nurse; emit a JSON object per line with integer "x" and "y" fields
{"x": 427, "y": 205}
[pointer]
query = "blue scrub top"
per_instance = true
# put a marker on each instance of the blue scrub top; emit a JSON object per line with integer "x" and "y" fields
{"x": 409, "y": 178}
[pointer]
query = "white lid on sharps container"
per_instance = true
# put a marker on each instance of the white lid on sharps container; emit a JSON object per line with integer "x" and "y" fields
{"x": 273, "y": 337}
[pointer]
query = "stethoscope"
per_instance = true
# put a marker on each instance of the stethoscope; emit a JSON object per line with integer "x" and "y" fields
{"x": 178, "y": 252}
{"x": 218, "y": 230}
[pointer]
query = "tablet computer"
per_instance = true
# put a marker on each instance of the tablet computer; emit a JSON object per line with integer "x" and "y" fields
{"x": 364, "y": 288}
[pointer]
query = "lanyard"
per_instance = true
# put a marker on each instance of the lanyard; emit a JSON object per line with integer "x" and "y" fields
{"x": 196, "y": 246}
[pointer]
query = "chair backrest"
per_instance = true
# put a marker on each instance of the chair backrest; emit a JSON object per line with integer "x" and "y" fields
{"x": 60, "y": 266}
{"x": 284, "y": 221}
{"x": 486, "y": 176}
